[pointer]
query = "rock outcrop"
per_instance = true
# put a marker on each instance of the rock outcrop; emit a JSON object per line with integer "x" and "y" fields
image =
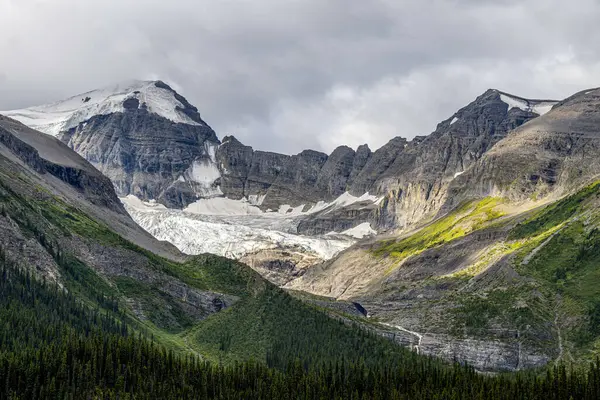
{"x": 413, "y": 176}
{"x": 415, "y": 182}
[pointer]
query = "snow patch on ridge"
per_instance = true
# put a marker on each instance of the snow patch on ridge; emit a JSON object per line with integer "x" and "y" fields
{"x": 538, "y": 107}
{"x": 343, "y": 200}
{"x": 360, "y": 231}
{"x": 453, "y": 120}
{"x": 66, "y": 114}
{"x": 222, "y": 206}
{"x": 203, "y": 172}
{"x": 135, "y": 203}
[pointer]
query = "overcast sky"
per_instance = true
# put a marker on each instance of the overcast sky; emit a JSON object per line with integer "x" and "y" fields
{"x": 285, "y": 75}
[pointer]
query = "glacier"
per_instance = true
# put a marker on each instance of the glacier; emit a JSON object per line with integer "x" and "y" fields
{"x": 235, "y": 228}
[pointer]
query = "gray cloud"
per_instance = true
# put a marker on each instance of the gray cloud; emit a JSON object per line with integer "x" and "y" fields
{"x": 287, "y": 75}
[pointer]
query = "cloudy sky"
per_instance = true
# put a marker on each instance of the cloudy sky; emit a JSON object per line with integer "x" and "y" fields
{"x": 285, "y": 75}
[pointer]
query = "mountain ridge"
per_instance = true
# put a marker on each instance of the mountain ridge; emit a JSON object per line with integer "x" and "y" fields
{"x": 263, "y": 180}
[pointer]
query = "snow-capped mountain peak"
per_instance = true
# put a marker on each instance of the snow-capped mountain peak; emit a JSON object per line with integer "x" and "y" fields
{"x": 155, "y": 96}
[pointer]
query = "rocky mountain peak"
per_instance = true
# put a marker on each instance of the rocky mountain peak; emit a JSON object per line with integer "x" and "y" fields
{"x": 155, "y": 97}
{"x": 143, "y": 135}
{"x": 231, "y": 140}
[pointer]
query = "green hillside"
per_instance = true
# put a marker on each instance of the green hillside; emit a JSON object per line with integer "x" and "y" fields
{"x": 85, "y": 342}
{"x": 89, "y": 310}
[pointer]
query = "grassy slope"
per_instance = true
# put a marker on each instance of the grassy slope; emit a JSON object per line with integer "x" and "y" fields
{"x": 556, "y": 252}
{"x": 568, "y": 265}
{"x": 264, "y": 321}
{"x": 467, "y": 218}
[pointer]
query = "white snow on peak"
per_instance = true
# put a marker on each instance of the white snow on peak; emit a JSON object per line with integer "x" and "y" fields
{"x": 453, "y": 120}
{"x": 66, "y": 114}
{"x": 538, "y": 107}
{"x": 459, "y": 173}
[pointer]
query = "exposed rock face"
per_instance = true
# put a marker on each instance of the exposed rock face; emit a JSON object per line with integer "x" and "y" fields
{"x": 282, "y": 265}
{"x": 335, "y": 174}
{"x": 149, "y": 156}
{"x": 149, "y": 140}
{"x": 415, "y": 182}
{"x": 280, "y": 179}
{"x": 297, "y": 179}
{"x": 483, "y": 355}
{"x": 338, "y": 220}
{"x": 236, "y": 161}
{"x": 413, "y": 176}
{"x": 377, "y": 165}
{"x": 24, "y": 144}
{"x": 549, "y": 156}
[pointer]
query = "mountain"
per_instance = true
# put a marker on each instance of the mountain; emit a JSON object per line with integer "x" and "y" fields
{"x": 142, "y": 135}
{"x": 155, "y": 148}
{"x": 153, "y": 145}
{"x": 505, "y": 276}
{"x": 449, "y": 205}
{"x": 93, "y": 306}
{"x": 77, "y": 271}
{"x": 549, "y": 157}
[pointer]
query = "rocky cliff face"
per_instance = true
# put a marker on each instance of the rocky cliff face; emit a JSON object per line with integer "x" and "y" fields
{"x": 415, "y": 176}
{"x": 149, "y": 140}
{"x": 149, "y": 156}
{"x": 277, "y": 179}
{"x": 547, "y": 157}
{"x": 24, "y": 143}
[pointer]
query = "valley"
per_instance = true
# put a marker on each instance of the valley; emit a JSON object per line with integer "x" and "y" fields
{"x": 441, "y": 239}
